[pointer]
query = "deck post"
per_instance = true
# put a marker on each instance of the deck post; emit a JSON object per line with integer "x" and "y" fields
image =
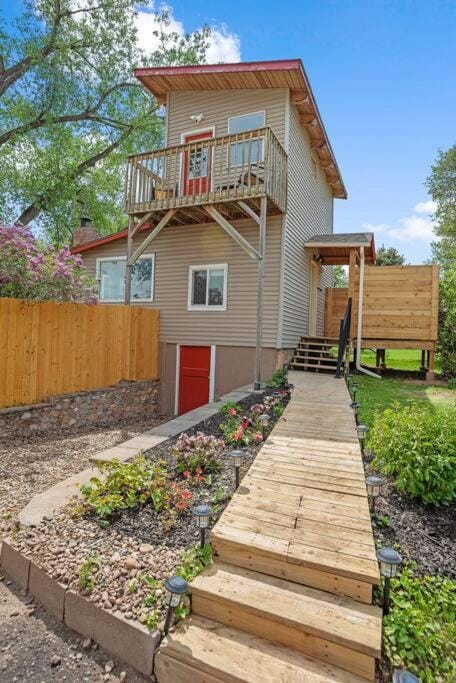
{"x": 259, "y": 321}
{"x": 430, "y": 374}
{"x": 128, "y": 268}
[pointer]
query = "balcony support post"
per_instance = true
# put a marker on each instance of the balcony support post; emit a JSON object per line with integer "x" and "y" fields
{"x": 131, "y": 260}
{"x": 259, "y": 320}
{"x": 131, "y": 227}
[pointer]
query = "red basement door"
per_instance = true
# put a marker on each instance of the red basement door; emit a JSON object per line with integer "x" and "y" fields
{"x": 194, "y": 377}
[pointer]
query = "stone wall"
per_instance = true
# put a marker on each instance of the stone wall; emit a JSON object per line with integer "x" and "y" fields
{"x": 117, "y": 404}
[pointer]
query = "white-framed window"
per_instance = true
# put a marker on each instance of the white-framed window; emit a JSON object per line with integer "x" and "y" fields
{"x": 207, "y": 287}
{"x": 111, "y": 278}
{"x": 251, "y": 151}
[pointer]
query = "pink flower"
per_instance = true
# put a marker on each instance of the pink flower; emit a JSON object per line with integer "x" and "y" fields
{"x": 232, "y": 411}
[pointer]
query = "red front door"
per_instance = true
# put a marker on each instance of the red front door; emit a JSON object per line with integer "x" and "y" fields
{"x": 194, "y": 374}
{"x": 197, "y": 165}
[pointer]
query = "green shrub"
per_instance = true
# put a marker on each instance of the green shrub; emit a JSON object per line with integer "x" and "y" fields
{"x": 447, "y": 322}
{"x": 131, "y": 484}
{"x": 278, "y": 379}
{"x": 417, "y": 446}
{"x": 87, "y": 569}
{"x": 420, "y": 631}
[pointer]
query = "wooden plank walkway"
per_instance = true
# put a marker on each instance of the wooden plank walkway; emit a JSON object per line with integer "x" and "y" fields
{"x": 294, "y": 554}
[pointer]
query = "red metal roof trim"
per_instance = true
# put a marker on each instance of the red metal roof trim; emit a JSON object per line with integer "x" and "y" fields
{"x": 234, "y": 67}
{"x": 99, "y": 242}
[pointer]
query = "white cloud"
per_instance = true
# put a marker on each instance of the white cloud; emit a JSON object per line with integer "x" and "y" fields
{"x": 416, "y": 226}
{"x": 224, "y": 46}
{"x": 425, "y": 207}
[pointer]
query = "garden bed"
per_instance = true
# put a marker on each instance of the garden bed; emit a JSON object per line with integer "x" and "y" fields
{"x": 120, "y": 561}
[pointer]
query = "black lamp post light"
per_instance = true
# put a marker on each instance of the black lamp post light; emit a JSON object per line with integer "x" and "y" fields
{"x": 176, "y": 587}
{"x": 389, "y": 562}
{"x": 236, "y": 458}
{"x": 373, "y": 485}
{"x": 355, "y": 406}
{"x": 404, "y": 676}
{"x": 355, "y": 387}
{"x": 202, "y": 514}
{"x": 362, "y": 433}
{"x": 264, "y": 422}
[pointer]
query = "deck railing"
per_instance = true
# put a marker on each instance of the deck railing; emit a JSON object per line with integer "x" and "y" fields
{"x": 233, "y": 167}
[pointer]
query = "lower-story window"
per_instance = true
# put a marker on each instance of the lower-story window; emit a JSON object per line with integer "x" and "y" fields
{"x": 207, "y": 287}
{"x": 111, "y": 279}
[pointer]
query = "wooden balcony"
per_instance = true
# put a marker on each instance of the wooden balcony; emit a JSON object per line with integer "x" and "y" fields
{"x": 232, "y": 172}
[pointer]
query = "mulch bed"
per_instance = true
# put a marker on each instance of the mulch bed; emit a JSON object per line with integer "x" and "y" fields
{"x": 135, "y": 542}
{"x": 425, "y": 534}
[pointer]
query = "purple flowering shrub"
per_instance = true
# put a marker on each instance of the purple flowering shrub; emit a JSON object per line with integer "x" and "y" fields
{"x": 30, "y": 270}
{"x": 197, "y": 455}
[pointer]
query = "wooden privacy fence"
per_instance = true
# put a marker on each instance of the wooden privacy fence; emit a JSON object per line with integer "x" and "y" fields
{"x": 400, "y": 304}
{"x": 49, "y": 348}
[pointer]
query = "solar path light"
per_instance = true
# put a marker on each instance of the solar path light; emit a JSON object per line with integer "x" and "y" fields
{"x": 373, "y": 485}
{"x": 264, "y": 422}
{"x": 389, "y": 562}
{"x": 236, "y": 458}
{"x": 362, "y": 433}
{"x": 404, "y": 676}
{"x": 176, "y": 587}
{"x": 202, "y": 514}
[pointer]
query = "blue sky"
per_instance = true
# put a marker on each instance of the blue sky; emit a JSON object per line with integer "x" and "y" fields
{"x": 383, "y": 74}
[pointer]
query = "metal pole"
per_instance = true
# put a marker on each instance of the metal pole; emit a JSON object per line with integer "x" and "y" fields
{"x": 131, "y": 224}
{"x": 202, "y": 538}
{"x": 259, "y": 322}
{"x": 169, "y": 618}
{"x": 237, "y": 476}
{"x": 386, "y": 596}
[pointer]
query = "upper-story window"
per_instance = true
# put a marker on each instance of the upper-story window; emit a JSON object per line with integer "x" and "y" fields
{"x": 111, "y": 278}
{"x": 250, "y": 151}
{"x": 207, "y": 287}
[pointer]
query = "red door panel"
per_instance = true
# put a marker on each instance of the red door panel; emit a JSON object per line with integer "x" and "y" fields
{"x": 197, "y": 165}
{"x": 194, "y": 374}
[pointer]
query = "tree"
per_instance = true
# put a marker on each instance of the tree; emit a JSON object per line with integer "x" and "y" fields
{"x": 441, "y": 185}
{"x": 32, "y": 270}
{"x": 389, "y": 256}
{"x": 71, "y": 109}
{"x": 340, "y": 276}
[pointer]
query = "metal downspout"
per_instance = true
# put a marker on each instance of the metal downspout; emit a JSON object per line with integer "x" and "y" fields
{"x": 360, "y": 319}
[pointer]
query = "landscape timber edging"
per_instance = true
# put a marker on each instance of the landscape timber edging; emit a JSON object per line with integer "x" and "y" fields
{"x": 125, "y": 639}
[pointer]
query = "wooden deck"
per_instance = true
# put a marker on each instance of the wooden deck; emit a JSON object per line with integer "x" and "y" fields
{"x": 289, "y": 595}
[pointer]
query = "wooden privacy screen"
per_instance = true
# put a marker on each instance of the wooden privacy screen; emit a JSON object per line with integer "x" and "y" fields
{"x": 49, "y": 348}
{"x": 399, "y": 303}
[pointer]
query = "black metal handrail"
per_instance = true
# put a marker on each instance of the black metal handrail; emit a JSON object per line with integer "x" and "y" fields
{"x": 344, "y": 335}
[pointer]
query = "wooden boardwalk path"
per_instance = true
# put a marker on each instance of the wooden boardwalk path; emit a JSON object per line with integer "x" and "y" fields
{"x": 289, "y": 595}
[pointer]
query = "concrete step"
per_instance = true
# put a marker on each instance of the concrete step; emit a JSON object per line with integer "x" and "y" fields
{"x": 336, "y": 630}
{"x": 203, "y": 651}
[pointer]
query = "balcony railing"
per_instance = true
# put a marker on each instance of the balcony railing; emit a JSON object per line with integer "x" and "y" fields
{"x": 243, "y": 166}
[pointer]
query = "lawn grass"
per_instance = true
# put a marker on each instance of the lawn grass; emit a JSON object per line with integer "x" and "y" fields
{"x": 398, "y": 359}
{"x": 377, "y": 394}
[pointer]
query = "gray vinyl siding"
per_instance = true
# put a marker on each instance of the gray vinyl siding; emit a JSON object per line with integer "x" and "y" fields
{"x": 177, "y": 248}
{"x": 218, "y": 106}
{"x": 310, "y": 212}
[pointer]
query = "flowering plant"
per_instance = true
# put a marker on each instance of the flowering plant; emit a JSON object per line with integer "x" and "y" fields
{"x": 241, "y": 429}
{"x": 31, "y": 270}
{"x": 197, "y": 455}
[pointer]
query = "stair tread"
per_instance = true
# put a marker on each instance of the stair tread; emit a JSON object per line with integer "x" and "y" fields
{"x": 313, "y": 365}
{"x": 228, "y": 654}
{"x": 337, "y": 619}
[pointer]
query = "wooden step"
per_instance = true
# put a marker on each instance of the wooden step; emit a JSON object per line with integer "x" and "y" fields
{"x": 324, "y": 570}
{"x": 295, "y": 364}
{"x": 336, "y": 630}
{"x": 302, "y": 355}
{"x": 203, "y": 651}
{"x": 323, "y": 345}
{"x": 321, "y": 352}
{"x": 320, "y": 339}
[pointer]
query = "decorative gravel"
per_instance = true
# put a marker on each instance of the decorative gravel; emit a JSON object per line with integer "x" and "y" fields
{"x": 30, "y": 465}
{"x": 135, "y": 544}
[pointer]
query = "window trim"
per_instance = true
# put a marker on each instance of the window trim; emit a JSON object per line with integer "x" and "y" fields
{"x": 238, "y": 116}
{"x": 207, "y": 307}
{"x": 101, "y": 259}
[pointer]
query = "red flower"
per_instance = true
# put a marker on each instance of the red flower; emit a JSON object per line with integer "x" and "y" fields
{"x": 186, "y": 474}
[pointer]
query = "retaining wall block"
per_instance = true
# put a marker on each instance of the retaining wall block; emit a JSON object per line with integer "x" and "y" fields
{"x": 15, "y": 564}
{"x": 49, "y": 593}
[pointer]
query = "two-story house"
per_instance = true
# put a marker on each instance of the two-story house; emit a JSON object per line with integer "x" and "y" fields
{"x": 218, "y": 220}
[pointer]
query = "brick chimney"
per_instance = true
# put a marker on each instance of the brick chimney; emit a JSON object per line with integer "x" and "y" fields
{"x": 85, "y": 233}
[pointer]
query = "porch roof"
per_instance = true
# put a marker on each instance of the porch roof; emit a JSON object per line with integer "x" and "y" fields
{"x": 335, "y": 249}
{"x": 284, "y": 73}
